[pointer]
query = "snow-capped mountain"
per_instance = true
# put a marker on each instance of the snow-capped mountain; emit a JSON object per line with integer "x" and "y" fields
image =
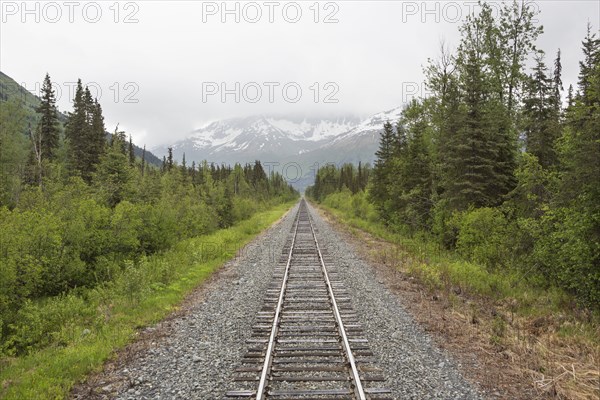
{"x": 370, "y": 126}
{"x": 304, "y": 143}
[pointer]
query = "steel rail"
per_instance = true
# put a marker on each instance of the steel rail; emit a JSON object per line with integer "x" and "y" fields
{"x": 260, "y": 395}
{"x": 358, "y": 388}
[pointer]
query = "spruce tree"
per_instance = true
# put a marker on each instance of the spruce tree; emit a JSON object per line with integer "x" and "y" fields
{"x": 49, "y": 130}
{"x": 587, "y": 67}
{"x": 541, "y": 114}
{"x": 470, "y": 152}
{"x": 96, "y": 137}
{"x": 416, "y": 176}
{"x": 477, "y": 143}
{"x": 169, "y": 163}
{"x": 193, "y": 172}
{"x": 85, "y": 133}
{"x": 582, "y": 162}
{"x": 570, "y": 98}
{"x": 113, "y": 175}
{"x": 572, "y": 253}
{"x": 130, "y": 152}
{"x": 75, "y": 132}
{"x": 143, "y": 163}
{"x": 379, "y": 190}
{"x": 557, "y": 83}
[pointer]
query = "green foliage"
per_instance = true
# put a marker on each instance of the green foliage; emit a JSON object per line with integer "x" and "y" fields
{"x": 566, "y": 254}
{"x": 390, "y": 144}
{"x": 114, "y": 174}
{"x": 85, "y": 133}
{"x": 95, "y": 215}
{"x": 60, "y": 339}
{"x": 13, "y": 150}
{"x": 484, "y": 236}
{"x": 410, "y": 202}
{"x": 541, "y": 114}
{"x": 331, "y": 179}
{"x": 451, "y": 170}
{"x": 48, "y": 123}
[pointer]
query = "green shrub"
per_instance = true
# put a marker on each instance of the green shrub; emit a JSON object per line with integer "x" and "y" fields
{"x": 243, "y": 209}
{"x": 361, "y": 208}
{"x": 340, "y": 200}
{"x": 568, "y": 255}
{"x": 445, "y": 224}
{"x": 482, "y": 237}
{"x": 56, "y": 321}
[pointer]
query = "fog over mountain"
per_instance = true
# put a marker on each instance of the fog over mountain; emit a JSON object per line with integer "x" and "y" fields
{"x": 295, "y": 146}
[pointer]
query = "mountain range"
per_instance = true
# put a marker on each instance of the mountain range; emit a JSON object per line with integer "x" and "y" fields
{"x": 294, "y": 146}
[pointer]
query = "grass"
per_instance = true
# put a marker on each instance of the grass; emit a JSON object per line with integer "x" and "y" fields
{"x": 549, "y": 339}
{"x": 97, "y": 322}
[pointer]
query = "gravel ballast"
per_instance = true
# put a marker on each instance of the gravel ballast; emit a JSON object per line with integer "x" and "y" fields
{"x": 205, "y": 343}
{"x": 414, "y": 367}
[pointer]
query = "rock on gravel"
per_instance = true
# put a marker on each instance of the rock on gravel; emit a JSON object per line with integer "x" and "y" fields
{"x": 206, "y": 343}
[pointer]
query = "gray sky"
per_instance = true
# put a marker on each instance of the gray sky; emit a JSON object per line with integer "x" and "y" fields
{"x": 161, "y": 66}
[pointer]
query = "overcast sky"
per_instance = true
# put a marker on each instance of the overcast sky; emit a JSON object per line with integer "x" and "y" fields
{"x": 159, "y": 67}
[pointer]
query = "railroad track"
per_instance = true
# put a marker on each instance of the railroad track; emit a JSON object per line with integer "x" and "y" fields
{"x": 307, "y": 342}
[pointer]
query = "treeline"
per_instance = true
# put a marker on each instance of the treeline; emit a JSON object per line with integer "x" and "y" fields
{"x": 499, "y": 163}
{"x": 331, "y": 179}
{"x": 77, "y": 210}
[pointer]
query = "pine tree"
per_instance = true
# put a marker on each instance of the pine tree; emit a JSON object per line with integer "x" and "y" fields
{"x": 542, "y": 114}
{"x": 143, "y": 164}
{"x": 75, "y": 131}
{"x": 85, "y": 133}
{"x": 379, "y": 189}
{"x": 184, "y": 170}
{"x": 470, "y": 153}
{"x": 169, "y": 164}
{"x": 49, "y": 131}
{"x": 571, "y": 250}
{"x": 96, "y": 137}
{"x": 570, "y": 98}
{"x": 477, "y": 138}
{"x": 130, "y": 152}
{"x": 113, "y": 176}
{"x": 193, "y": 173}
{"x": 557, "y": 83}
{"x": 582, "y": 161}
{"x": 587, "y": 68}
{"x": 476, "y": 151}
{"x": 414, "y": 177}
